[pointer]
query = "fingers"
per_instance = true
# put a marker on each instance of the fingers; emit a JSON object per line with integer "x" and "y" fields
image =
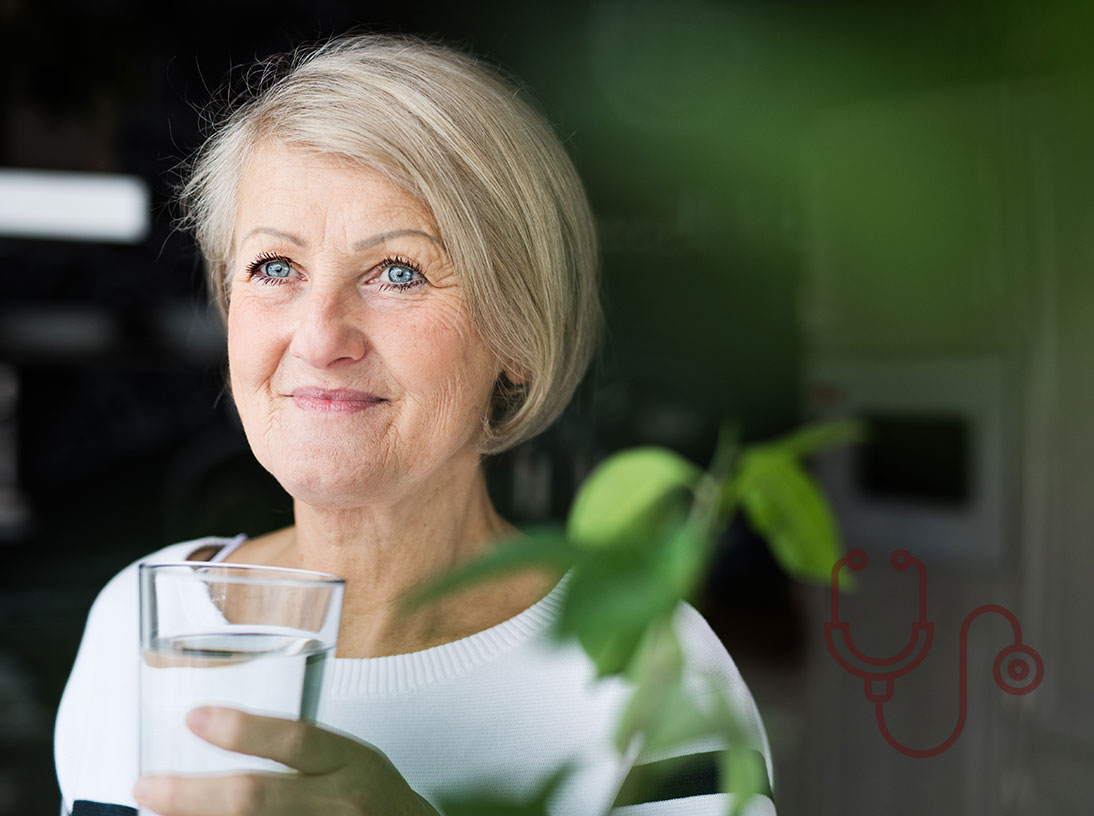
{"x": 267, "y": 794}
{"x": 300, "y": 745}
{"x": 337, "y": 774}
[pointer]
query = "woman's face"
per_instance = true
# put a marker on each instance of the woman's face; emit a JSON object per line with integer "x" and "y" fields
{"x": 354, "y": 365}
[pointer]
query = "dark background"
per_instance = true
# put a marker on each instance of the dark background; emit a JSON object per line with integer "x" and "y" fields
{"x": 684, "y": 120}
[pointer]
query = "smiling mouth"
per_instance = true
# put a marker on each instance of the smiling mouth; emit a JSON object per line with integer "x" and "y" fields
{"x": 334, "y": 400}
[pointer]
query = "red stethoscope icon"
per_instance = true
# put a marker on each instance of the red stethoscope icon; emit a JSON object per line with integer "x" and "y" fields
{"x": 1018, "y": 668}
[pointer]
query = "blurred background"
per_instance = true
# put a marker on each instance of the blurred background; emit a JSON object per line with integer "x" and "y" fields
{"x": 808, "y": 210}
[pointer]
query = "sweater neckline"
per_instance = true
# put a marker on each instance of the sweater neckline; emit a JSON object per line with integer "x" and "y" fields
{"x": 406, "y": 673}
{"x": 410, "y": 672}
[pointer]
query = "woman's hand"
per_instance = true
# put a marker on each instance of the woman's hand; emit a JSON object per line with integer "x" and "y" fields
{"x": 335, "y": 774}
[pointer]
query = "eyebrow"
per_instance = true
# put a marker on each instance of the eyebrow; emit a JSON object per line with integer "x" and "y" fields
{"x": 285, "y": 236}
{"x": 384, "y": 237}
{"x": 366, "y": 243}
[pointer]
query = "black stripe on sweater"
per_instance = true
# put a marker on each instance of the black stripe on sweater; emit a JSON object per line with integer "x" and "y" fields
{"x": 82, "y": 807}
{"x": 678, "y": 778}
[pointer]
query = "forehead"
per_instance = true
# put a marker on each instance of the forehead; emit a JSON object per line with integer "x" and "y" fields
{"x": 295, "y": 186}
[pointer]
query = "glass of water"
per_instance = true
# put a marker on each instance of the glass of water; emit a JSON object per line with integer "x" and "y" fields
{"x": 248, "y": 637}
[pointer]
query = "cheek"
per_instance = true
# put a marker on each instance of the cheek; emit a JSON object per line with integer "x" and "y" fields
{"x": 252, "y": 348}
{"x": 441, "y": 361}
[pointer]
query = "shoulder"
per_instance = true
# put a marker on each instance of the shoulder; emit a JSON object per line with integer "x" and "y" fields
{"x": 116, "y": 602}
{"x": 708, "y": 665}
{"x": 703, "y": 649}
{"x": 694, "y": 765}
{"x": 173, "y": 552}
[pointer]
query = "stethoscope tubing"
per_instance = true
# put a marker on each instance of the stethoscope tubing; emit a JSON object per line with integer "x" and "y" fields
{"x": 879, "y": 674}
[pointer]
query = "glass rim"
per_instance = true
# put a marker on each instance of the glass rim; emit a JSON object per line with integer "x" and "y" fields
{"x": 307, "y": 578}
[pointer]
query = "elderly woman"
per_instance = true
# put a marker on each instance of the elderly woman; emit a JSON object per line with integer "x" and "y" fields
{"x": 407, "y": 265}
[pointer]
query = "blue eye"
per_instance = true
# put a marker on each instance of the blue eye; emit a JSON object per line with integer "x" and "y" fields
{"x": 272, "y": 271}
{"x": 276, "y": 268}
{"x": 399, "y": 274}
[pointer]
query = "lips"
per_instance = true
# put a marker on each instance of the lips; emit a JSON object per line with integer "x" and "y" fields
{"x": 334, "y": 400}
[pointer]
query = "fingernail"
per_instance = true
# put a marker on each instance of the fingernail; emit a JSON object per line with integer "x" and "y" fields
{"x": 197, "y": 719}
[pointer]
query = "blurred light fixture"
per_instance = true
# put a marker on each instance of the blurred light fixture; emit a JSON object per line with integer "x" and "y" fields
{"x": 73, "y": 206}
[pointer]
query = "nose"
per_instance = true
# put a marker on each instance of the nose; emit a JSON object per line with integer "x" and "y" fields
{"x": 326, "y": 334}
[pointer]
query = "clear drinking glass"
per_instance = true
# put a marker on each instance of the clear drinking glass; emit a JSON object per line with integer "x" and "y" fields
{"x": 254, "y": 638}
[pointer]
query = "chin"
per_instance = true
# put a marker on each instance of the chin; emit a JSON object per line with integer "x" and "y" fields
{"x": 333, "y": 490}
{"x": 333, "y": 477}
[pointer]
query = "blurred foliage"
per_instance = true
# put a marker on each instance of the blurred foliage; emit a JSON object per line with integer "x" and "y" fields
{"x": 628, "y": 495}
{"x": 484, "y": 803}
{"x": 788, "y": 510}
{"x": 640, "y": 535}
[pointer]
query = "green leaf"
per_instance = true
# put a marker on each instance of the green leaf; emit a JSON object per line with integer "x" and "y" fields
{"x": 616, "y": 593}
{"x": 785, "y": 505}
{"x": 662, "y": 714}
{"x": 641, "y": 553}
{"x": 681, "y": 557}
{"x": 629, "y": 493}
{"x": 813, "y": 438}
{"x": 485, "y": 802}
{"x": 742, "y": 775}
{"x": 743, "y": 771}
{"x": 656, "y": 672}
{"x": 485, "y": 805}
{"x": 542, "y": 548}
{"x": 609, "y": 603}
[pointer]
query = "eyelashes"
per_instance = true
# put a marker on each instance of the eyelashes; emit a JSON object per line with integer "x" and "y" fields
{"x": 409, "y": 274}
{"x": 270, "y": 269}
{"x": 394, "y": 273}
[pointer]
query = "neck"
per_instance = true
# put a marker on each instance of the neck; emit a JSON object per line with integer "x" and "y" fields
{"x": 385, "y": 550}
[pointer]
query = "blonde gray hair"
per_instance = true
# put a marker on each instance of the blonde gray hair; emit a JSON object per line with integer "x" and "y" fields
{"x": 510, "y": 207}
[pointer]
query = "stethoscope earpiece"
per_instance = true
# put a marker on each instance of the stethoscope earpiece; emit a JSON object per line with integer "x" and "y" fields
{"x": 857, "y": 560}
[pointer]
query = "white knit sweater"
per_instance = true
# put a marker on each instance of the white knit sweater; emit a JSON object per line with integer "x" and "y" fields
{"x": 502, "y": 709}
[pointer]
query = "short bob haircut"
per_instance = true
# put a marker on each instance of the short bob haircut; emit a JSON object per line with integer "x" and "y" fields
{"x": 512, "y": 213}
